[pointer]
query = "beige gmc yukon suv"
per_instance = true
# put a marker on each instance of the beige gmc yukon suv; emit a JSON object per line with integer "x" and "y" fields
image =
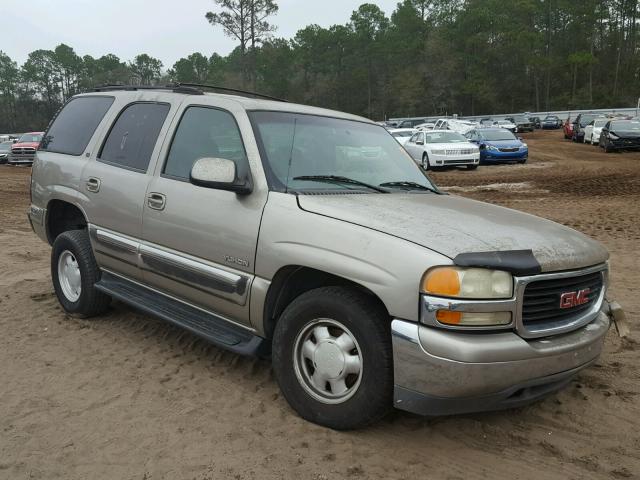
{"x": 310, "y": 237}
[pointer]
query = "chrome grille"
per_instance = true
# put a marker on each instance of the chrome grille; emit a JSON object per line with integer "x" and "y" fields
{"x": 466, "y": 151}
{"x": 542, "y": 299}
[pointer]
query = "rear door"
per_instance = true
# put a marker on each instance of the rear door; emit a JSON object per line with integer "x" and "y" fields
{"x": 115, "y": 180}
{"x": 199, "y": 244}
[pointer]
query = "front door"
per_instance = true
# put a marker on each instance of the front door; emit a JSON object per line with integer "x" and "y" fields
{"x": 199, "y": 244}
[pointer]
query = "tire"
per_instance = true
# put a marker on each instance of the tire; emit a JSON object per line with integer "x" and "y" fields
{"x": 369, "y": 393}
{"x": 472, "y": 167}
{"x": 75, "y": 284}
{"x": 425, "y": 161}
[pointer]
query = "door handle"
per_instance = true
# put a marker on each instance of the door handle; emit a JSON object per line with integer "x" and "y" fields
{"x": 157, "y": 201}
{"x": 93, "y": 184}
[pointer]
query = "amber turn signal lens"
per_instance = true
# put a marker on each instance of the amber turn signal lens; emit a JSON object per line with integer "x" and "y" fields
{"x": 442, "y": 281}
{"x": 448, "y": 317}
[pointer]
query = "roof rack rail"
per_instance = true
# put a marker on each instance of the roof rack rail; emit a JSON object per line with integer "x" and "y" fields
{"x": 174, "y": 87}
{"x": 236, "y": 91}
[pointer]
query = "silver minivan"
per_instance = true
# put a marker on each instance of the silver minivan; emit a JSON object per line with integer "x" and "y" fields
{"x": 310, "y": 237}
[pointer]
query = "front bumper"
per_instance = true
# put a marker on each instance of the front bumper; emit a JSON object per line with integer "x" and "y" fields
{"x": 493, "y": 156}
{"x": 443, "y": 372}
{"x": 438, "y": 160}
{"x": 625, "y": 144}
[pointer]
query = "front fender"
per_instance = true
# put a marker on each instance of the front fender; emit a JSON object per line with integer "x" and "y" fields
{"x": 390, "y": 267}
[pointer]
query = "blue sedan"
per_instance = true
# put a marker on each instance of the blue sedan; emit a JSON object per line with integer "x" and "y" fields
{"x": 498, "y": 145}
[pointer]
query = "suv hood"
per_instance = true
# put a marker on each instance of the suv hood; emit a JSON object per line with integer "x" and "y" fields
{"x": 453, "y": 225}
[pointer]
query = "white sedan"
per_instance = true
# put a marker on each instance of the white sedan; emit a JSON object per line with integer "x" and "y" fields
{"x": 442, "y": 148}
{"x": 593, "y": 130}
{"x": 402, "y": 135}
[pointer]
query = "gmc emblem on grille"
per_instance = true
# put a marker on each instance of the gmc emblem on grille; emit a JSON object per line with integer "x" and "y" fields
{"x": 573, "y": 299}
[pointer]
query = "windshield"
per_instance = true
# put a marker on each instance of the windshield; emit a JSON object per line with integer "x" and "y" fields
{"x": 625, "y": 125}
{"x": 296, "y": 145}
{"x": 522, "y": 119}
{"x": 493, "y": 135}
{"x": 551, "y": 117}
{"x": 586, "y": 120}
{"x": 30, "y": 138}
{"x": 504, "y": 122}
{"x": 600, "y": 123}
{"x": 445, "y": 137}
{"x": 5, "y": 146}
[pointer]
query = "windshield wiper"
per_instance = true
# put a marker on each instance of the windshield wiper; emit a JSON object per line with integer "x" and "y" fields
{"x": 340, "y": 179}
{"x": 409, "y": 186}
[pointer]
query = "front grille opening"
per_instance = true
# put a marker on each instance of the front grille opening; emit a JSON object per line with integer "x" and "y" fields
{"x": 543, "y": 299}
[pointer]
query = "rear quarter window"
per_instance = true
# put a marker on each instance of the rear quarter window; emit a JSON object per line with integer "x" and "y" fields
{"x": 75, "y": 124}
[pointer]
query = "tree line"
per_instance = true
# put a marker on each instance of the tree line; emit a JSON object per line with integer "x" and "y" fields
{"x": 428, "y": 57}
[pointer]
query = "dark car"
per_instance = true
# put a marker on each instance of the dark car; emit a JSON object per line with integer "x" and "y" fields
{"x": 5, "y": 150}
{"x": 620, "y": 135}
{"x": 410, "y": 123}
{"x": 579, "y": 124}
{"x": 551, "y": 122}
{"x": 498, "y": 145}
{"x": 522, "y": 123}
{"x": 536, "y": 122}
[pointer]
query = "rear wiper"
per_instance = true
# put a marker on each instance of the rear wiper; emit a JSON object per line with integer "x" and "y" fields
{"x": 340, "y": 179}
{"x": 409, "y": 185}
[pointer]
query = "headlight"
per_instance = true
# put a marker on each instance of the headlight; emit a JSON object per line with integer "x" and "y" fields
{"x": 438, "y": 152}
{"x": 524, "y": 145}
{"x": 479, "y": 283}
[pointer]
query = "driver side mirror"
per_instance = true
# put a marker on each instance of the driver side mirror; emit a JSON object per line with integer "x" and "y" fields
{"x": 219, "y": 173}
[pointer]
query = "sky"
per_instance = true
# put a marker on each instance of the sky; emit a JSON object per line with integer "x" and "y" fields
{"x": 165, "y": 29}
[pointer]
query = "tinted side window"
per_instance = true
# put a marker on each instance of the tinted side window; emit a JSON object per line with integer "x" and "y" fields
{"x": 134, "y": 134}
{"x": 204, "y": 132}
{"x": 74, "y": 126}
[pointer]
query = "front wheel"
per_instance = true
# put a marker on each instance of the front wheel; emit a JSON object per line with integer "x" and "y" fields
{"x": 74, "y": 273}
{"x": 332, "y": 358}
{"x": 472, "y": 167}
{"x": 425, "y": 161}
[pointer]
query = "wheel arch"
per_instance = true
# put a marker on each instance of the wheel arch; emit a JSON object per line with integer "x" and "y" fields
{"x": 63, "y": 215}
{"x": 291, "y": 281}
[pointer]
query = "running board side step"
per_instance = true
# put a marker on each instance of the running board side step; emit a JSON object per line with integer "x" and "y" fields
{"x": 208, "y": 326}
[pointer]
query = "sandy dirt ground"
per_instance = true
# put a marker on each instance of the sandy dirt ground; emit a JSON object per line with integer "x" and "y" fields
{"x": 128, "y": 397}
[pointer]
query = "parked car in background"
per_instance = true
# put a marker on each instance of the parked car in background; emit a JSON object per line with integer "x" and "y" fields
{"x": 487, "y": 122}
{"x": 620, "y": 135}
{"x": 24, "y": 150}
{"x": 5, "y": 150}
{"x": 536, "y": 122}
{"x": 551, "y": 122}
{"x": 410, "y": 123}
{"x": 579, "y": 124}
{"x": 567, "y": 128}
{"x": 455, "y": 124}
{"x": 442, "y": 148}
{"x": 498, "y": 145}
{"x": 593, "y": 130}
{"x": 426, "y": 126}
{"x": 402, "y": 134}
{"x": 506, "y": 124}
{"x": 522, "y": 123}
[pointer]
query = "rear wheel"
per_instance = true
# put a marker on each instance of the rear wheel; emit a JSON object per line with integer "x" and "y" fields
{"x": 332, "y": 358}
{"x": 425, "y": 161}
{"x": 74, "y": 273}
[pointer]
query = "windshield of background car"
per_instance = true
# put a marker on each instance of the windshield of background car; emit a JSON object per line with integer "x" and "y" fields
{"x": 504, "y": 122}
{"x": 495, "y": 135}
{"x": 445, "y": 137}
{"x": 295, "y": 145}
{"x": 30, "y": 138}
{"x": 586, "y": 120}
{"x": 600, "y": 122}
{"x": 551, "y": 117}
{"x": 625, "y": 126}
{"x": 402, "y": 134}
{"x": 522, "y": 119}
